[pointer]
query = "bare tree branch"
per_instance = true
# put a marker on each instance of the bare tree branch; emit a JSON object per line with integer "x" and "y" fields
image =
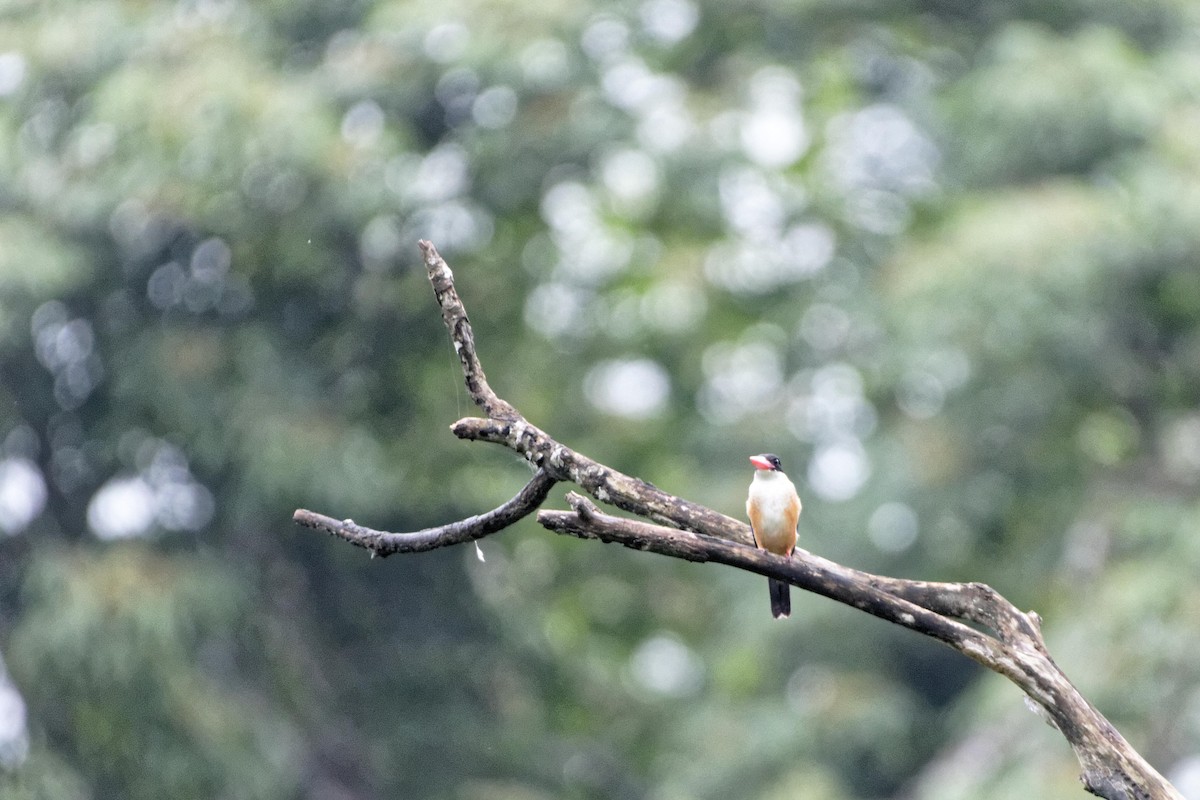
{"x": 1010, "y": 643}
{"x": 1110, "y": 763}
{"x": 604, "y": 483}
{"x": 382, "y": 543}
{"x": 454, "y": 314}
{"x": 803, "y": 570}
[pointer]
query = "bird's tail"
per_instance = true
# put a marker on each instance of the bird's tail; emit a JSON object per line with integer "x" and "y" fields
{"x": 781, "y": 598}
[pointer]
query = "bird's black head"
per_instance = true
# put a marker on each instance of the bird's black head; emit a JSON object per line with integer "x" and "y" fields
{"x": 767, "y": 461}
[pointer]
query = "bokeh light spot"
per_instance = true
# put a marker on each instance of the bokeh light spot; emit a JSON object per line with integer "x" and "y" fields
{"x": 362, "y": 124}
{"x": 123, "y": 508}
{"x": 636, "y": 388}
{"x": 664, "y": 665}
{"x": 495, "y": 107}
{"x": 669, "y": 21}
{"x": 22, "y": 494}
{"x": 893, "y": 527}
{"x": 14, "y": 733}
{"x": 12, "y": 72}
{"x": 838, "y": 470}
{"x": 447, "y": 42}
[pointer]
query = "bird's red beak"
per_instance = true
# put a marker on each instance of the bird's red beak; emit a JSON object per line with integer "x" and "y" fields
{"x": 760, "y": 463}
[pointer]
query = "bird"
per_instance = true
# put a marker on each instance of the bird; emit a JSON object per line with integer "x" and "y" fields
{"x": 773, "y": 508}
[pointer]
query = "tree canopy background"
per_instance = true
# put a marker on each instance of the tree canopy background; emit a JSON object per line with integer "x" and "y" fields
{"x": 943, "y": 258}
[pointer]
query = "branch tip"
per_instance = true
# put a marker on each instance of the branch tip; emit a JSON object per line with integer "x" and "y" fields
{"x": 585, "y": 508}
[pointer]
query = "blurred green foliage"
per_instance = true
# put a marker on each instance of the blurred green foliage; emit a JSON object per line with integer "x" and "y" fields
{"x": 944, "y": 259}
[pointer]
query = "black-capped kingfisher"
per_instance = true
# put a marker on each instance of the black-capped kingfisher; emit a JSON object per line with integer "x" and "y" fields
{"x": 774, "y": 507}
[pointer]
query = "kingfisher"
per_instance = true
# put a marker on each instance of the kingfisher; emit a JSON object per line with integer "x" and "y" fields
{"x": 774, "y": 507}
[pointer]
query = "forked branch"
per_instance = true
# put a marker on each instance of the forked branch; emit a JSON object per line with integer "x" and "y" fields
{"x": 1010, "y": 643}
